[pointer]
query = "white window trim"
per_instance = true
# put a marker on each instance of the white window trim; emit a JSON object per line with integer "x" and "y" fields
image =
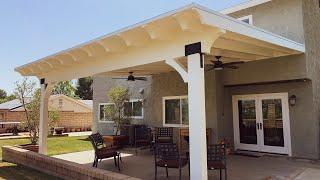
{"x": 137, "y": 100}
{"x": 99, "y": 120}
{"x": 164, "y": 111}
{"x": 247, "y": 17}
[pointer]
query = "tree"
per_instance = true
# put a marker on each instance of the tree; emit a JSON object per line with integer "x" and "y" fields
{"x": 25, "y": 89}
{"x": 84, "y": 89}
{"x": 3, "y": 94}
{"x": 65, "y": 88}
{"x": 118, "y": 96}
{"x": 8, "y": 98}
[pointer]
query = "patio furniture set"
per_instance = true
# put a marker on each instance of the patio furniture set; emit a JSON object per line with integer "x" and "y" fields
{"x": 167, "y": 153}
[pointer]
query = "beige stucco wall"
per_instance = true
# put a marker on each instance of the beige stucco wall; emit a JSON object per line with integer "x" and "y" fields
{"x": 102, "y": 84}
{"x": 283, "y": 17}
{"x": 311, "y": 22}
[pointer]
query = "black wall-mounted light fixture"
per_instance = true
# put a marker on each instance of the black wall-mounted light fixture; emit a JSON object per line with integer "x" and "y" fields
{"x": 292, "y": 100}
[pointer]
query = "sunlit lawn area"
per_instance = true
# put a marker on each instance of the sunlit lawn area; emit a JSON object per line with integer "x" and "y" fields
{"x": 56, "y": 145}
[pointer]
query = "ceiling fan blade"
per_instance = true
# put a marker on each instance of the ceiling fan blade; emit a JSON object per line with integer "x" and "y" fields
{"x": 231, "y": 67}
{"x": 140, "y": 78}
{"x": 233, "y": 63}
{"x": 210, "y": 68}
{"x": 120, "y": 78}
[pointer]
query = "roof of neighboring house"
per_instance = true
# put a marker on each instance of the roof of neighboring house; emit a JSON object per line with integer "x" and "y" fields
{"x": 87, "y": 102}
{"x": 13, "y": 104}
{"x": 244, "y": 5}
{"x": 84, "y": 103}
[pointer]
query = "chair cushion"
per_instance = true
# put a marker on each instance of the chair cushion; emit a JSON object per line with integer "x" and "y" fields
{"x": 171, "y": 163}
{"x": 106, "y": 153}
{"x": 216, "y": 165}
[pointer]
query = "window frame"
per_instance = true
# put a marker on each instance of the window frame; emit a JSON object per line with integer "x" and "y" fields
{"x": 181, "y": 125}
{"x": 142, "y": 109}
{"x": 247, "y": 17}
{"x": 103, "y": 121}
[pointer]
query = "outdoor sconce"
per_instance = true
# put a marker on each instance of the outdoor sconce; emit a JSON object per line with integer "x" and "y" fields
{"x": 292, "y": 100}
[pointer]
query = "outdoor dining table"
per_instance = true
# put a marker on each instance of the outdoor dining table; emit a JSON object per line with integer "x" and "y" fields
{"x": 15, "y": 126}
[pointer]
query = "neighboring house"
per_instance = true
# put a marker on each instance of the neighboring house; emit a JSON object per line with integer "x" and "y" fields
{"x": 74, "y": 115}
{"x": 248, "y": 106}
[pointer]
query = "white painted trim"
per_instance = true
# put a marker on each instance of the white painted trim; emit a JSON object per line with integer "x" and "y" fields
{"x": 164, "y": 111}
{"x": 99, "y": 120}
{"x": 287, "y": 149}
{"x": 247, "y": 17}
{"x": 179, "y": 68}
{"x": 243, "y": 6}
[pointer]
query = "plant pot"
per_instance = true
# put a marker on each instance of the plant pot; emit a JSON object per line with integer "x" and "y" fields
{"x": 116, "y": 140}
{"x": 30, "y": 147}
{"x": 59, "y": 130}
{"x": 51, "y": 131}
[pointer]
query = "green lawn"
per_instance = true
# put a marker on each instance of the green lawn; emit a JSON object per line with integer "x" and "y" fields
{"x": 56, "y": 145}
{"x": 13, "y": 171}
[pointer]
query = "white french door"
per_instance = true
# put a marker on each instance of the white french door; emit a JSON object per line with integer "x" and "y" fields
{"x": 261, "y": 123}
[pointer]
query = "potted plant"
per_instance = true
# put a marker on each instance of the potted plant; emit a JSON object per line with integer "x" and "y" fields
{"x": 118, "y": 96}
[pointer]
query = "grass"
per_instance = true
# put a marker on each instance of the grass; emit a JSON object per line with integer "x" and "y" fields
{"x": 56, "y": 145}
{"x": 13, "y": 171}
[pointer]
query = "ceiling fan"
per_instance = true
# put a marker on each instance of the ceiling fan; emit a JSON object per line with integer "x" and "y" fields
{"x": 219, "y": 65}
{"x": 131, "y": 77}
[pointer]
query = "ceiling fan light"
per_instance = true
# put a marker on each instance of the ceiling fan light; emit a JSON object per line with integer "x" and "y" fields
{"x": 130, "y": 78}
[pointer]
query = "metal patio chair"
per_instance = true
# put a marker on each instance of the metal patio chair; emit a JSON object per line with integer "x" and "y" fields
{"x": 166, "y": 155}
{"x": 164, "y": 135}
{"x": 217, "y": 158}
{"x": 102, "y": 151}
{"x": 142, "y": 136}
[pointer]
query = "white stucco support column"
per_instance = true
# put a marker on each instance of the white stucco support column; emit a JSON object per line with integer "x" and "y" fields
{"x": 197, "y": 118}
{"x": 44, "y": 110}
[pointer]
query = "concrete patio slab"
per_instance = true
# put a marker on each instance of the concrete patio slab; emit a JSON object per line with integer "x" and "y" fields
{"x": 239, "y": 167}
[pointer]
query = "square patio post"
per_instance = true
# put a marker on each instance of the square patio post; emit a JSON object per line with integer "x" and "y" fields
{"x": 197, "y": 117}
{"x": 44, "y": 124}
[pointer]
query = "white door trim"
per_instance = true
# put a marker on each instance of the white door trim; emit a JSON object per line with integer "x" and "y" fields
{"x": 286, "y": 123}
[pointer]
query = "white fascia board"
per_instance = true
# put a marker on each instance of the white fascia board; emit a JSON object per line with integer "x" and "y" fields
{"x": 243, "y": 6}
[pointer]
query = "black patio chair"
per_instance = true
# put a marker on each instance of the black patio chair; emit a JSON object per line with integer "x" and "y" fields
{"x": 102, "y": 151}
{"x": 217, "y": 158}
{"x": 166, "y": 155}
{"x": 142, "y": 136}
{"x": 164, "y": 135}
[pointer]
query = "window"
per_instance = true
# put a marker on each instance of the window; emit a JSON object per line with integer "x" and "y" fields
{"x": 134, "y": 109}
{"x": 102, "y": 115}
{"x": 246, "y": 19}
{"x": 175, "y": 111}
{"x": 1, "y": 116}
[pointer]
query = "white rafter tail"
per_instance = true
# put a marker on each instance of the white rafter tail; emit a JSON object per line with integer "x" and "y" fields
{"x": 189, "y": 20}
{"x": 179, "y": 67}
{"x": 72, "y": 56}
{"x": 115, "y": 44}
{"x": 208, "y": 43}
{"x": 137, "y": 37}
{"x": 157, "y": 32}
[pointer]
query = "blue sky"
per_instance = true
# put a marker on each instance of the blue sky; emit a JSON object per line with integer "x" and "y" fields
{"x": 36, "y": 28}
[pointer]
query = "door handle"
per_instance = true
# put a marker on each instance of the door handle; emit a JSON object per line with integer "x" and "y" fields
{"x": 258, "y": 126}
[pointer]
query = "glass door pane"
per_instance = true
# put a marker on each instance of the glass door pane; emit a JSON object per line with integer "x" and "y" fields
{"x": 272, "y": 122}
{"x": 247, "y": 121}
